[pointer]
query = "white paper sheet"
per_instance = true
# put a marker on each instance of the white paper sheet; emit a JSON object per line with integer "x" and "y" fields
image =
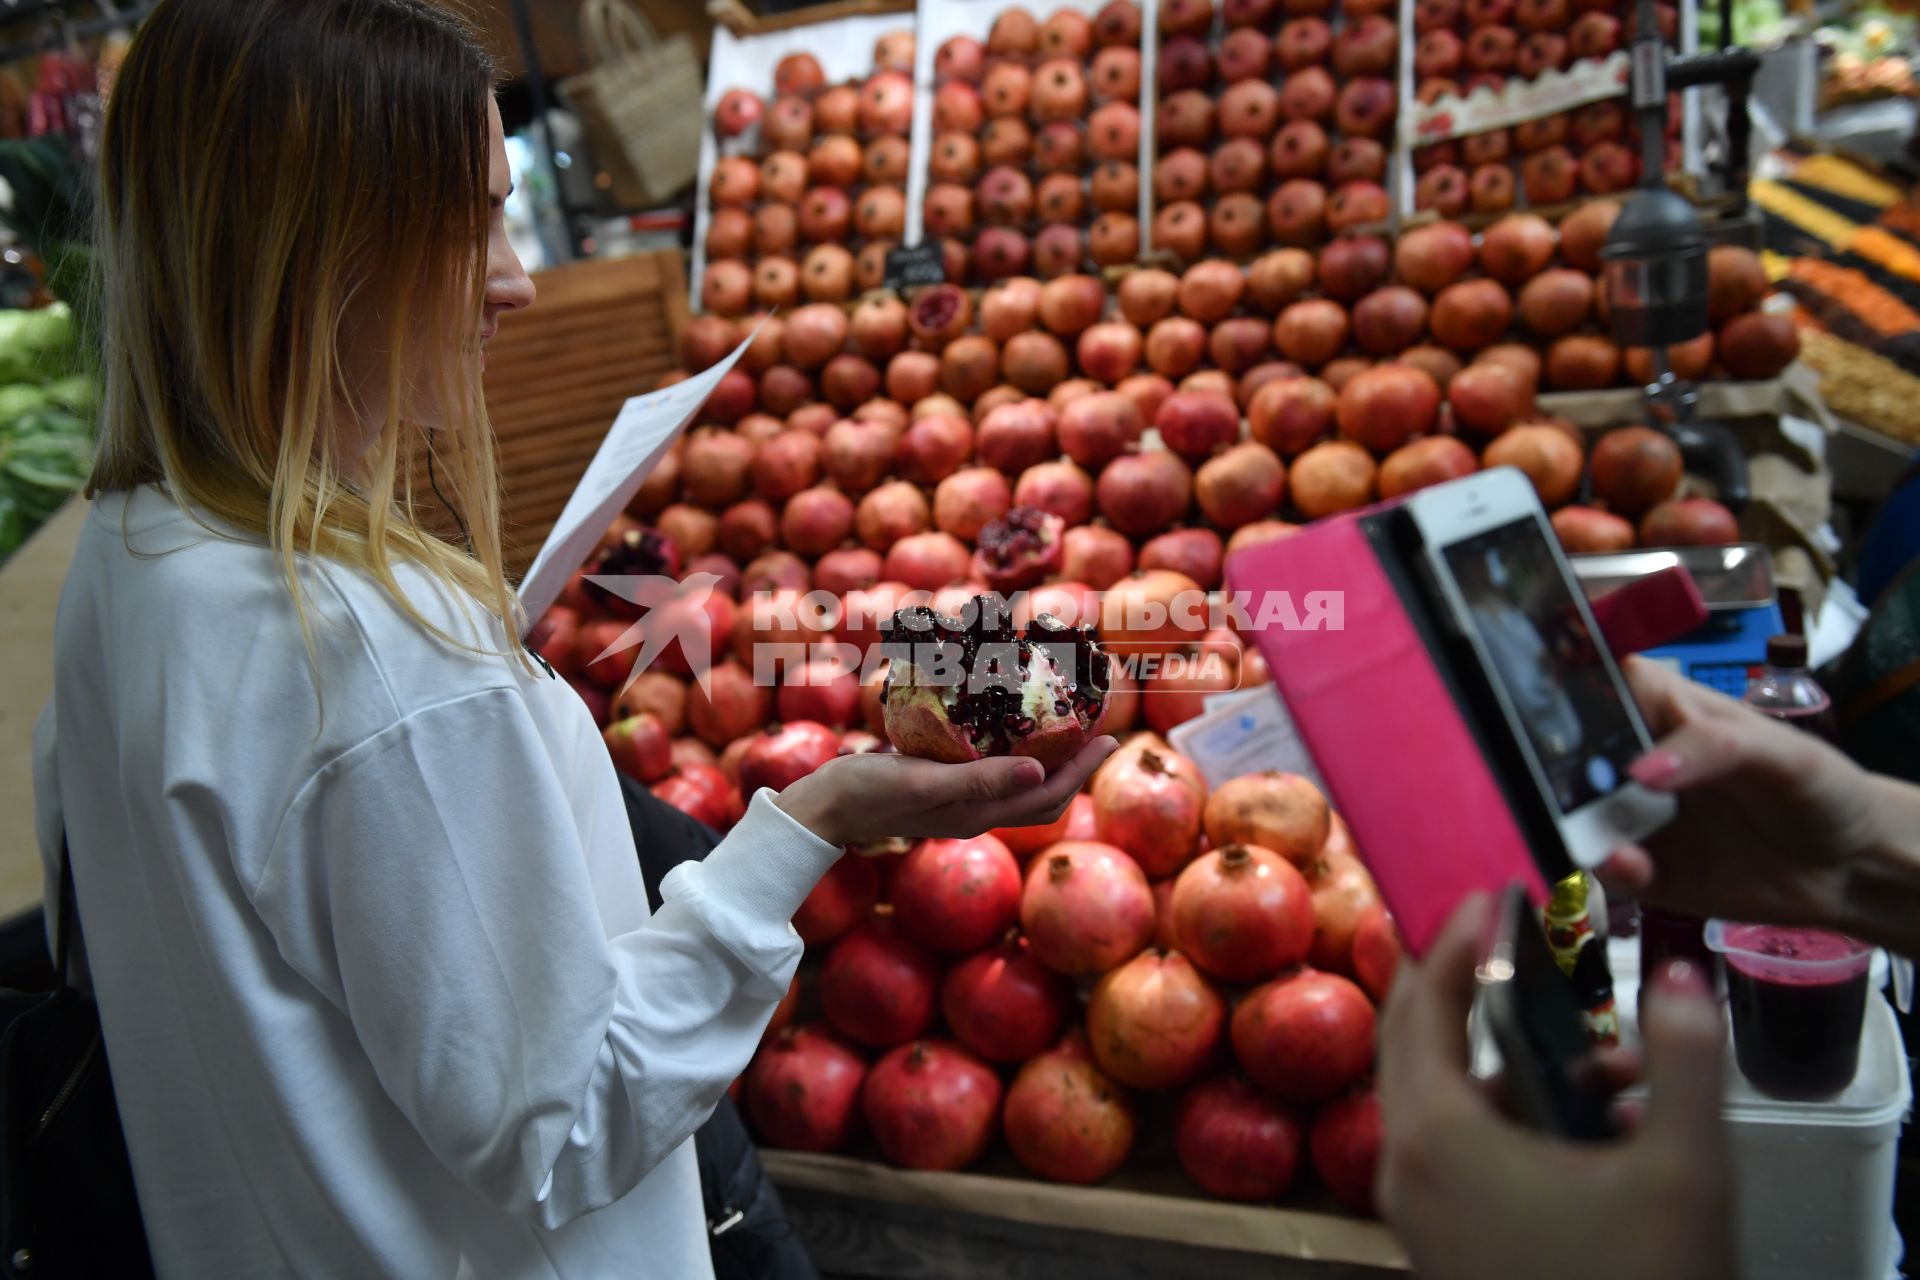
{"x": 1244, "y": 732}
{"x": 639, "y": 438}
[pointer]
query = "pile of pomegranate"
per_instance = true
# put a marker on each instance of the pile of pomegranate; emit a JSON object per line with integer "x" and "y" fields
{"x": 1092, "y": 452}
{"x": 1033, "y": 167}
{"x": 1465, "y": 45}
{"x": 1037, "y": 986}
{"x": 1278, "y": 131}
{"x": 809, "y": 192}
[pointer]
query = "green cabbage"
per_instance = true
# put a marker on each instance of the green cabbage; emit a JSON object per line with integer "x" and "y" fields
{"x": 36, "y": 345}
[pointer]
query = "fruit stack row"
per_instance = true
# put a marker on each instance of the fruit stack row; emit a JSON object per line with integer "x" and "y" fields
{"x": 1465, "y": 45}
{"x": 1161, "y": 956}
{"x": 1274, "y": 123}
{"x": 894, "y": 453}
{"x": 810, "y": 189}
{"x": 1033, "y": 164}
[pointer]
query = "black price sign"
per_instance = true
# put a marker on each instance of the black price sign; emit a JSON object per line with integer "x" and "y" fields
{"x": 922, "y": 264}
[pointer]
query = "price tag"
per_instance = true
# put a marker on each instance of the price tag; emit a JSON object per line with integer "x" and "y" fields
{"x": 922, "y": 264}
{"x": 1244, "y": 732}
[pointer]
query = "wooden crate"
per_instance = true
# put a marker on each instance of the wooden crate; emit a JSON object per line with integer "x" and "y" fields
{"x": 867, "y": 1221}
{"x": 557, "y": 373}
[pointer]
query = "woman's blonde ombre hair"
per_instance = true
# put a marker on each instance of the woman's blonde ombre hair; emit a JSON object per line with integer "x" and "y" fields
{"x": 278, "y": 176}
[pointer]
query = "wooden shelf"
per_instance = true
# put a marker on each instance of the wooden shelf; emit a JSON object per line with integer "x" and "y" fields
{"x": 864, "y": 1219}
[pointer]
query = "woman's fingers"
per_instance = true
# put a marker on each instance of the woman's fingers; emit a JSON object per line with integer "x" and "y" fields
{"x": 1425, "y": 1021}
{"x": 1685, "y": 1060}
{"x": 1035, "y": 805}
{"x": 1627, "y": 872}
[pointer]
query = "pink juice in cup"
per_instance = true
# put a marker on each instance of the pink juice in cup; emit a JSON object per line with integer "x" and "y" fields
{"x": 1798, "y": 999}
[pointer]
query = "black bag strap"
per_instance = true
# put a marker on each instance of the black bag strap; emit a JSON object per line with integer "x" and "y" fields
{"x": 65, "y": 917}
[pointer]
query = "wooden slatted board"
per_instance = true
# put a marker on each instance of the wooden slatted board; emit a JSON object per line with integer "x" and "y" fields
{"x": 558, "y": 372}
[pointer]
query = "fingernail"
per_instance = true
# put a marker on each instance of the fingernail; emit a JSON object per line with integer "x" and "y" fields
{"x": 1656, "y": 768}
{"x": 1028, "y": 773}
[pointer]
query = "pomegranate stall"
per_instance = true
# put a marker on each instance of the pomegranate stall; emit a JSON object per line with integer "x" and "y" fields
{"x": 1197, "y": 283}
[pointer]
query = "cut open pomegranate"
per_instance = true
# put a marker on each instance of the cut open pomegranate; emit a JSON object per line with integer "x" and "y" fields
{"x": 1019, "y": 550}
{"x": 641, "y": 552}
{"x": 977, "y": 685}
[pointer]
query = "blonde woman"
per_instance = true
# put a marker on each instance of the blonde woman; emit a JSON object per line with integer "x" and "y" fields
{"x": 360, "y": 903}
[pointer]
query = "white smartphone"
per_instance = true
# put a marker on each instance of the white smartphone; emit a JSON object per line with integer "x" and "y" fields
{"x": 1500, "y": 572}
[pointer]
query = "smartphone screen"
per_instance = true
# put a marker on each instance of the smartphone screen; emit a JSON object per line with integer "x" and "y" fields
{"x": 1546, "y": 660}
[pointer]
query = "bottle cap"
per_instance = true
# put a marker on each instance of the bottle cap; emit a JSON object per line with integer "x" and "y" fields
{"x": 1786, "y": 651}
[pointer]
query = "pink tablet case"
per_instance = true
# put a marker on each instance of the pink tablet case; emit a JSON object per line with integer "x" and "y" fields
{"x": 1402, "y": 763}
{"x": 1403, "y": 766}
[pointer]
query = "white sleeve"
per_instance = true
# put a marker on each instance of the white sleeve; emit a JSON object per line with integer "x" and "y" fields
{"x": 431, "y": 882}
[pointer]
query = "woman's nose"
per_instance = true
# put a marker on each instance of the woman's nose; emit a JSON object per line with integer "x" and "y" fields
{"x": 509, "y": 287}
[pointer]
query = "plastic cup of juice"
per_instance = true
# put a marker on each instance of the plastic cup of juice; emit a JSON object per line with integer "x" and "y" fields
{"x": 1798, "y": 998}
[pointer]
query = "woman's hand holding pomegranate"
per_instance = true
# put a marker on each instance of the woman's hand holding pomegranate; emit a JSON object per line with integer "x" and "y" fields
{"x": 1774, "y": 825}
{"x": 871, "y": 796}
{"x": 1473, "y": 1194}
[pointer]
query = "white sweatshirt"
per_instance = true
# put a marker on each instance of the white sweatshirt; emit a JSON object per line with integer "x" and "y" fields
{"x": 381, "y": 991}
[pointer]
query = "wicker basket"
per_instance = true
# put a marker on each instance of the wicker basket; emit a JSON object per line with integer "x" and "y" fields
{"x": 640, "y": 103}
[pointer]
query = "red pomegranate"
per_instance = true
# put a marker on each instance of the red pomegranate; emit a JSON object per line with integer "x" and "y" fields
{"x": 1004, "y": 1004}
{"x": 1306, "y": 1035}
{"x": 838, "y": 901}
{"x": 1098, "y": 557}
{"x": 1634, "y": 469}
{"x": 1584, "y": 529}
{"x": 1237, "y": 1142}
{"x": 1489, "y": 397}
{"x": 781, "y": 757}
{"x": 1516, "y": 248}
{"x": 1689, "y": 522}
{"x": 1154, "y": 1022}
{"x": 1434, "y": 256}
{"x": 878, "y": 986}
{"x": 957, "y": 895}
{"x": 1419, "y": 463}
{"x": 1085, "y": 908}
{"x": 1151, "y": 811}
{"x": 1243, "y": 484}
{"x": 702, "y": 792}
{"x": 967, "y": 501}
{"x": 1096, "y": 429}
{"x": 1280, "y": 811}
{"x": 803, "y": 1090}
{"x": 1142, "y": 493}
{"x": 1195, "y": 423}
{"x": 1385, "y": 406}
{"x": 1735, "y": 282}
{"x": 931, "y": 1105}
{"x": 1757, "y": 344}
{"x": 1345, "y": 1148}
{"x": 1376, "y": 951}
{"x": 1548, "y": 455}
{"x": 1289, "y": 414}
{"x": 640, "y": 747}
{"x": 1065, "y": 1120}
{"x": 727, "y": 705}
{"x": 1243, "y": 913}
{"x": 1342, "y": 893}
